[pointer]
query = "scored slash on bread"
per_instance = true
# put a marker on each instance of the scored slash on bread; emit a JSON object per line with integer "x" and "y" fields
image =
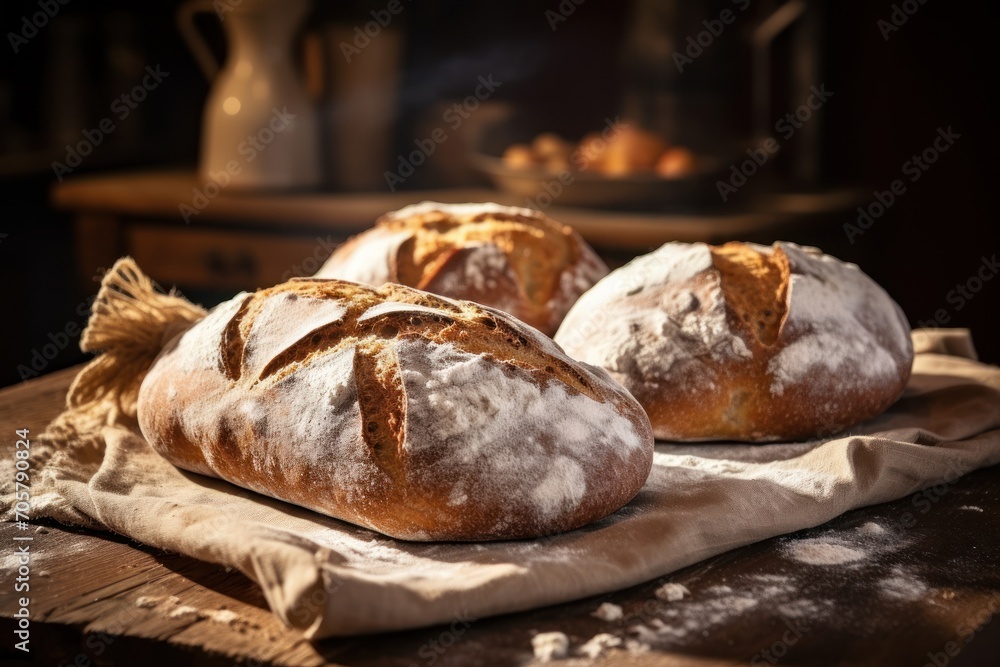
{"x": 376, "y": 368}
{"x": 412, "y": 414}
{"x": 514, "y": 259}
{"x": 483, "y": 330}
{"x": 744, "y": 342}
{"x": 756, "y": 287}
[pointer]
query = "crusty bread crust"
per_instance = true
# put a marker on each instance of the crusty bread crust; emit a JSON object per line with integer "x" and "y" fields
{"x": 514, "y": 259}
{"x": 415, "y": 415}
{"x": 745, "y": 342}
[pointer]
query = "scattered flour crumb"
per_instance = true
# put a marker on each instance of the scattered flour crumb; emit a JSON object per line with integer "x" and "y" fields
{"x": 636, "y": 646}
{"x": 903, "y": 586}
{"x": 182, "y": 611}
{"x": 713, "y": 607}
{"x": 662, "y": 629}
{"x": 871, "y": 528}
{"x": 720, "y": 590}
{"x": 805, "y": 608}
{"x": 598, "y": 644}
{"x": 550, "y": 645}
{"x": 608, "y": 612}
{"x": 703, "y": 615}
{"x": 224, "y": 616}
{"x": 816, "y": 551}
{"x": 643, "y": 633}
{"x": 146, "y": 602}
{"x": 672, "y": 592}
{"x": 971, "y": 508}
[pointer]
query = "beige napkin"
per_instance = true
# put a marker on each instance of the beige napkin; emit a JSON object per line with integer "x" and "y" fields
{"x": 330, "y": 578}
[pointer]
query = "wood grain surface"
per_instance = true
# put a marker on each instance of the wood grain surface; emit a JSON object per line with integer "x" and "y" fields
{"x": 923, "y": 590}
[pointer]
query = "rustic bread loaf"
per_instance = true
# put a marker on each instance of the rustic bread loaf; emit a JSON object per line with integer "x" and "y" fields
{"x": 411, "y": 414}
{"x": 744, "y": 342}
{"x": 514, "y": 259}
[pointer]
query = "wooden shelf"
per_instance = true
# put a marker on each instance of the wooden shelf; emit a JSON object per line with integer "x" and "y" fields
{"x": 245, "y": 240}
{"x": 161, "y": 194}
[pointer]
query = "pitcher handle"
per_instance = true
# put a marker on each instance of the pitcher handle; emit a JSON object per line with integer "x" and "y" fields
{"x": 193, "y": 37}
{"x": 762, "y": 38}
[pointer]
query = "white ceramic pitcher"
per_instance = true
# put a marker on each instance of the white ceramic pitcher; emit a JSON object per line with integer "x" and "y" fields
{"x": 259, "y": 127}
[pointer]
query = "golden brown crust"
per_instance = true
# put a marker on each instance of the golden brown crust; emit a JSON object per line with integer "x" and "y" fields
{"x": 744, "y": 342}
{"x": 517, "y": 260}
{"x": 755, "y": 286}
{"x": 381, "y": 406}
{"x": 231, "y": 355}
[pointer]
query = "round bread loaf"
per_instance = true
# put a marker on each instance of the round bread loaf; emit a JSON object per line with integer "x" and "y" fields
{"x": 745, "y": 342}
{"x": 514, "y": 259}
{"x": 411, "y": 414}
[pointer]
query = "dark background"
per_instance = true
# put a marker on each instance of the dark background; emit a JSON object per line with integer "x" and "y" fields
{"x": 890, "y": 97}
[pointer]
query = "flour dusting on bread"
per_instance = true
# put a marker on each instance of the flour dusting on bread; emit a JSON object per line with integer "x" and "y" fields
{"x": 284, "y": 319}
{"x": 744, "y": 341}
{"x": 461, "y": 405}
{"x": 840, "y": 318}
{"x": 482, "y": 266}
{"x": 681, "y": 337}
{"x": 416, "y": 415}
{"x": 515, "y": 259}
{"x": 374, "y": 266}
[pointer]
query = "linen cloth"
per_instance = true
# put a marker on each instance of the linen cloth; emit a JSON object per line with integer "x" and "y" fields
{"x": 326, "y": 577}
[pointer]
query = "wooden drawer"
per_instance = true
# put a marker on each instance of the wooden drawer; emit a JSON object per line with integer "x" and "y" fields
{"x": 223, "y": 260}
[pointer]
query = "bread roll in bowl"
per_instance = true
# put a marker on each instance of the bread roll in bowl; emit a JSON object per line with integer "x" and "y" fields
{"x": 411, "y": 414}
{"x": 515, "y": 259}
{"x": 744, "y": 342}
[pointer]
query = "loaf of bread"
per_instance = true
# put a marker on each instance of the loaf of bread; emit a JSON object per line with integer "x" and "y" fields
{"x": 745, "y": 342}
{"x": 514, "y": 259}
{"x": 414, "y": 415}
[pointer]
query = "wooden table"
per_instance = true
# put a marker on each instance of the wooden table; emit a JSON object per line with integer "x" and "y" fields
{"x": 935, "y": 582}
